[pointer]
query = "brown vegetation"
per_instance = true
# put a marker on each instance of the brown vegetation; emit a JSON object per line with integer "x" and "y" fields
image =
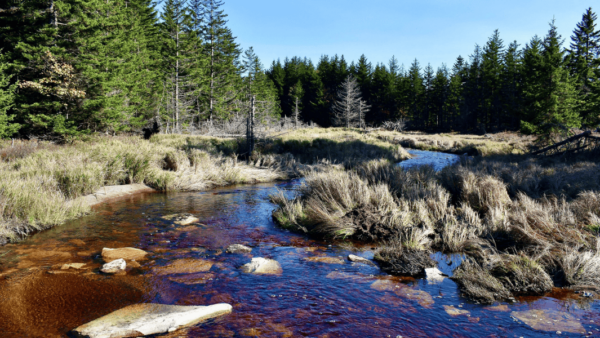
{"x": 526, "y": 224}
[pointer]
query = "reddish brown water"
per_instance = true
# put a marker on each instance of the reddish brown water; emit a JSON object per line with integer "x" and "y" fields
{"x": 309, "y": 299}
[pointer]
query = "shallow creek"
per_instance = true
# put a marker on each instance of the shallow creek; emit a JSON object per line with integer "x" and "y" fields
{"x": 317, "y": 295}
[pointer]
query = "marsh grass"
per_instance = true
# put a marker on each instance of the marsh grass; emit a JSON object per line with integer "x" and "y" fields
{"x": 41, "y": 182}
{"x": 523, "y": 236}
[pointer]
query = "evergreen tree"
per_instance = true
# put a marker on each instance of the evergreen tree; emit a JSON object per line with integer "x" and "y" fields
{"x": 223, "y": 54}
{"x": 416, "y": 93}
{"x": 511, "y": 79}
{"x": 583, "y": 62}
{"x": 555, "y": 108}
{"x": 491, "y": 80}
{"x": 7, "y": 129}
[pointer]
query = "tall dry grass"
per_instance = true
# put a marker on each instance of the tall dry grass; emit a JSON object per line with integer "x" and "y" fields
{"x": 40, "y": 182}
{"x": 522, "y": 241}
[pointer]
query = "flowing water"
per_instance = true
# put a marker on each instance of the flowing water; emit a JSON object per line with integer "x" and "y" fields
{"x": 319, "y": 294}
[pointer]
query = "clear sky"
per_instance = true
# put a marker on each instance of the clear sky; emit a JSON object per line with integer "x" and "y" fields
{"x": 433, "y": 31}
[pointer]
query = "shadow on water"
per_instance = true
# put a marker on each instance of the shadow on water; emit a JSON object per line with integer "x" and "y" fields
{"x": 310, "y": 298}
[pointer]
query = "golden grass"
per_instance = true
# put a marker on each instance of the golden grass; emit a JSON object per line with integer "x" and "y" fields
{"x": 518, "y": 240}
{"x": 39, "y": 179}
{"x": 491, "y": 144}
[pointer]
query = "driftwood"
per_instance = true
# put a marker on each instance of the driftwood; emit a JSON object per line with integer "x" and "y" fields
{"x": 572, "y": 144}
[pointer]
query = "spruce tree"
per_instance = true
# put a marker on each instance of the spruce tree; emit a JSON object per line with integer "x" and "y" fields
{"x": 7, "y": 128}
{"x": 416, "y": 93}
{"x": 223, "y": 53}
{"x": 491, "y": 73}
{"x": 583, "y": 62}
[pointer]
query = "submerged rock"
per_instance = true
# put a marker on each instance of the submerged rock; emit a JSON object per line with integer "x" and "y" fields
{"x": 238, "y": 248}
{"x": 76, "y": 266}
{"x": 128, "y": 254}
{"x": 452, "y": 311}
{"x": 358, "y": 259}
{"x": 548, "y": 320}
{"x": 149, "y": 319}
{"x": 115, "y": 266}
{"x": 182, "y": 219}
{"x": 325, "y": 259}
{"x": 186, "y": 265}
{"x": 263, "y": 266}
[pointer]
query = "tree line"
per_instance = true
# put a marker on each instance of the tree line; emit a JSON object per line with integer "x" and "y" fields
{"x": 69, "y": 67}
{"x": 77, "y": 66}
{"x": 540, "y": 88}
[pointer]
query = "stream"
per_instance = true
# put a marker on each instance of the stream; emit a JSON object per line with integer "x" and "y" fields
{"x": 319, "y": 294}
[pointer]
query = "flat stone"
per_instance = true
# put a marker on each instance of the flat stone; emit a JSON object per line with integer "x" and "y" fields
{"x": 115, "y": 266}
{"x": 434, "y": 275}
{"x": 186, "y": 265}
{"x": 499, "y": 308}
{"x": 386, "y": 285}
{"x": 182, "y": 219}
{"x": 193, "y": 279}
{"x": 452, "y": 311}
{"x": 422, "y": 297}
{"x": 149, "y": 319}
{"x": 549, "y": 320}
{"x": 238, "y": 248}
{"x": 358, "y": 259}
{"x": 133, "y": 264}
{"x": 262, "y": 266}
{"x": 77, "y": 266}
{"x": 325, "y": 259}
{"x": 128, "y": 254}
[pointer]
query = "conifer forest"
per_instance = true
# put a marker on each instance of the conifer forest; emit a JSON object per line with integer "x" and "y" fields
{"x": 78, "y": 67}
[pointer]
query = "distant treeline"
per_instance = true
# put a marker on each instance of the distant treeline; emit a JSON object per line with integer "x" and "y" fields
{"x": 538, "y": 88}
{"x": 70, "y": 67}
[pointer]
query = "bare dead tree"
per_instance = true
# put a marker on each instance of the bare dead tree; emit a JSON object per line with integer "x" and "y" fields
{"x": 346, "y": 107}
{"x": 363, "y": 108}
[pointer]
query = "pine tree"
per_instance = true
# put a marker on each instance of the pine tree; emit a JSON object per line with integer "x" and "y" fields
{"x": 416, "y": 93}
{"x": 555, "y": 95}
{"x": 223, "y": 54}
{"x": 296, "y": 95}
{"x": 584, "y": 51}
{"x": 491, "y": 74}
{"x": 511, "y": 79}
{"x": 7, "y": 129}
{"x": 455, "y": 101}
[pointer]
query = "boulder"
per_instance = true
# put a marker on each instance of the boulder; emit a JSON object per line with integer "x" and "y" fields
{"x": 128, "y": 254}
{"x": 182, "y": 219}
{"x": 434, "y": 275}
{"x": 358, "y": 259}
{"x": 262, "y": 266}
{"x": 115, "y": 266}
{"x": 149, "y": 319}
{"x": 238, "y": 248}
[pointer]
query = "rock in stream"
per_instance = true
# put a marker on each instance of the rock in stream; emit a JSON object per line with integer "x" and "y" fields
{"x": 149, "y": 319}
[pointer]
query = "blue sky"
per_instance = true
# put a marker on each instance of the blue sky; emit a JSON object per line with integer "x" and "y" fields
{"x": 433, "y": 31}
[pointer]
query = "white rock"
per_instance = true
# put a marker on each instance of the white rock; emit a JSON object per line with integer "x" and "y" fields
{"x": 434, "y": 275}
{"x": 238, "y": 248}
{"x": 358, "y": 259}
{"x": 149, "y": 319}
{"x": 265, "y": 266}
{"x": 114, "y": 266}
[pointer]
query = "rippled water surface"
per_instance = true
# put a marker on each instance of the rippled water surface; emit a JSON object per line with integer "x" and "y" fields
{"x": 309, "y": 299}
{"x": 435, "y": 159}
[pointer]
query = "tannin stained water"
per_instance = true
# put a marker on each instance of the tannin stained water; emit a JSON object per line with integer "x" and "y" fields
{"x": 309, "y": 299}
